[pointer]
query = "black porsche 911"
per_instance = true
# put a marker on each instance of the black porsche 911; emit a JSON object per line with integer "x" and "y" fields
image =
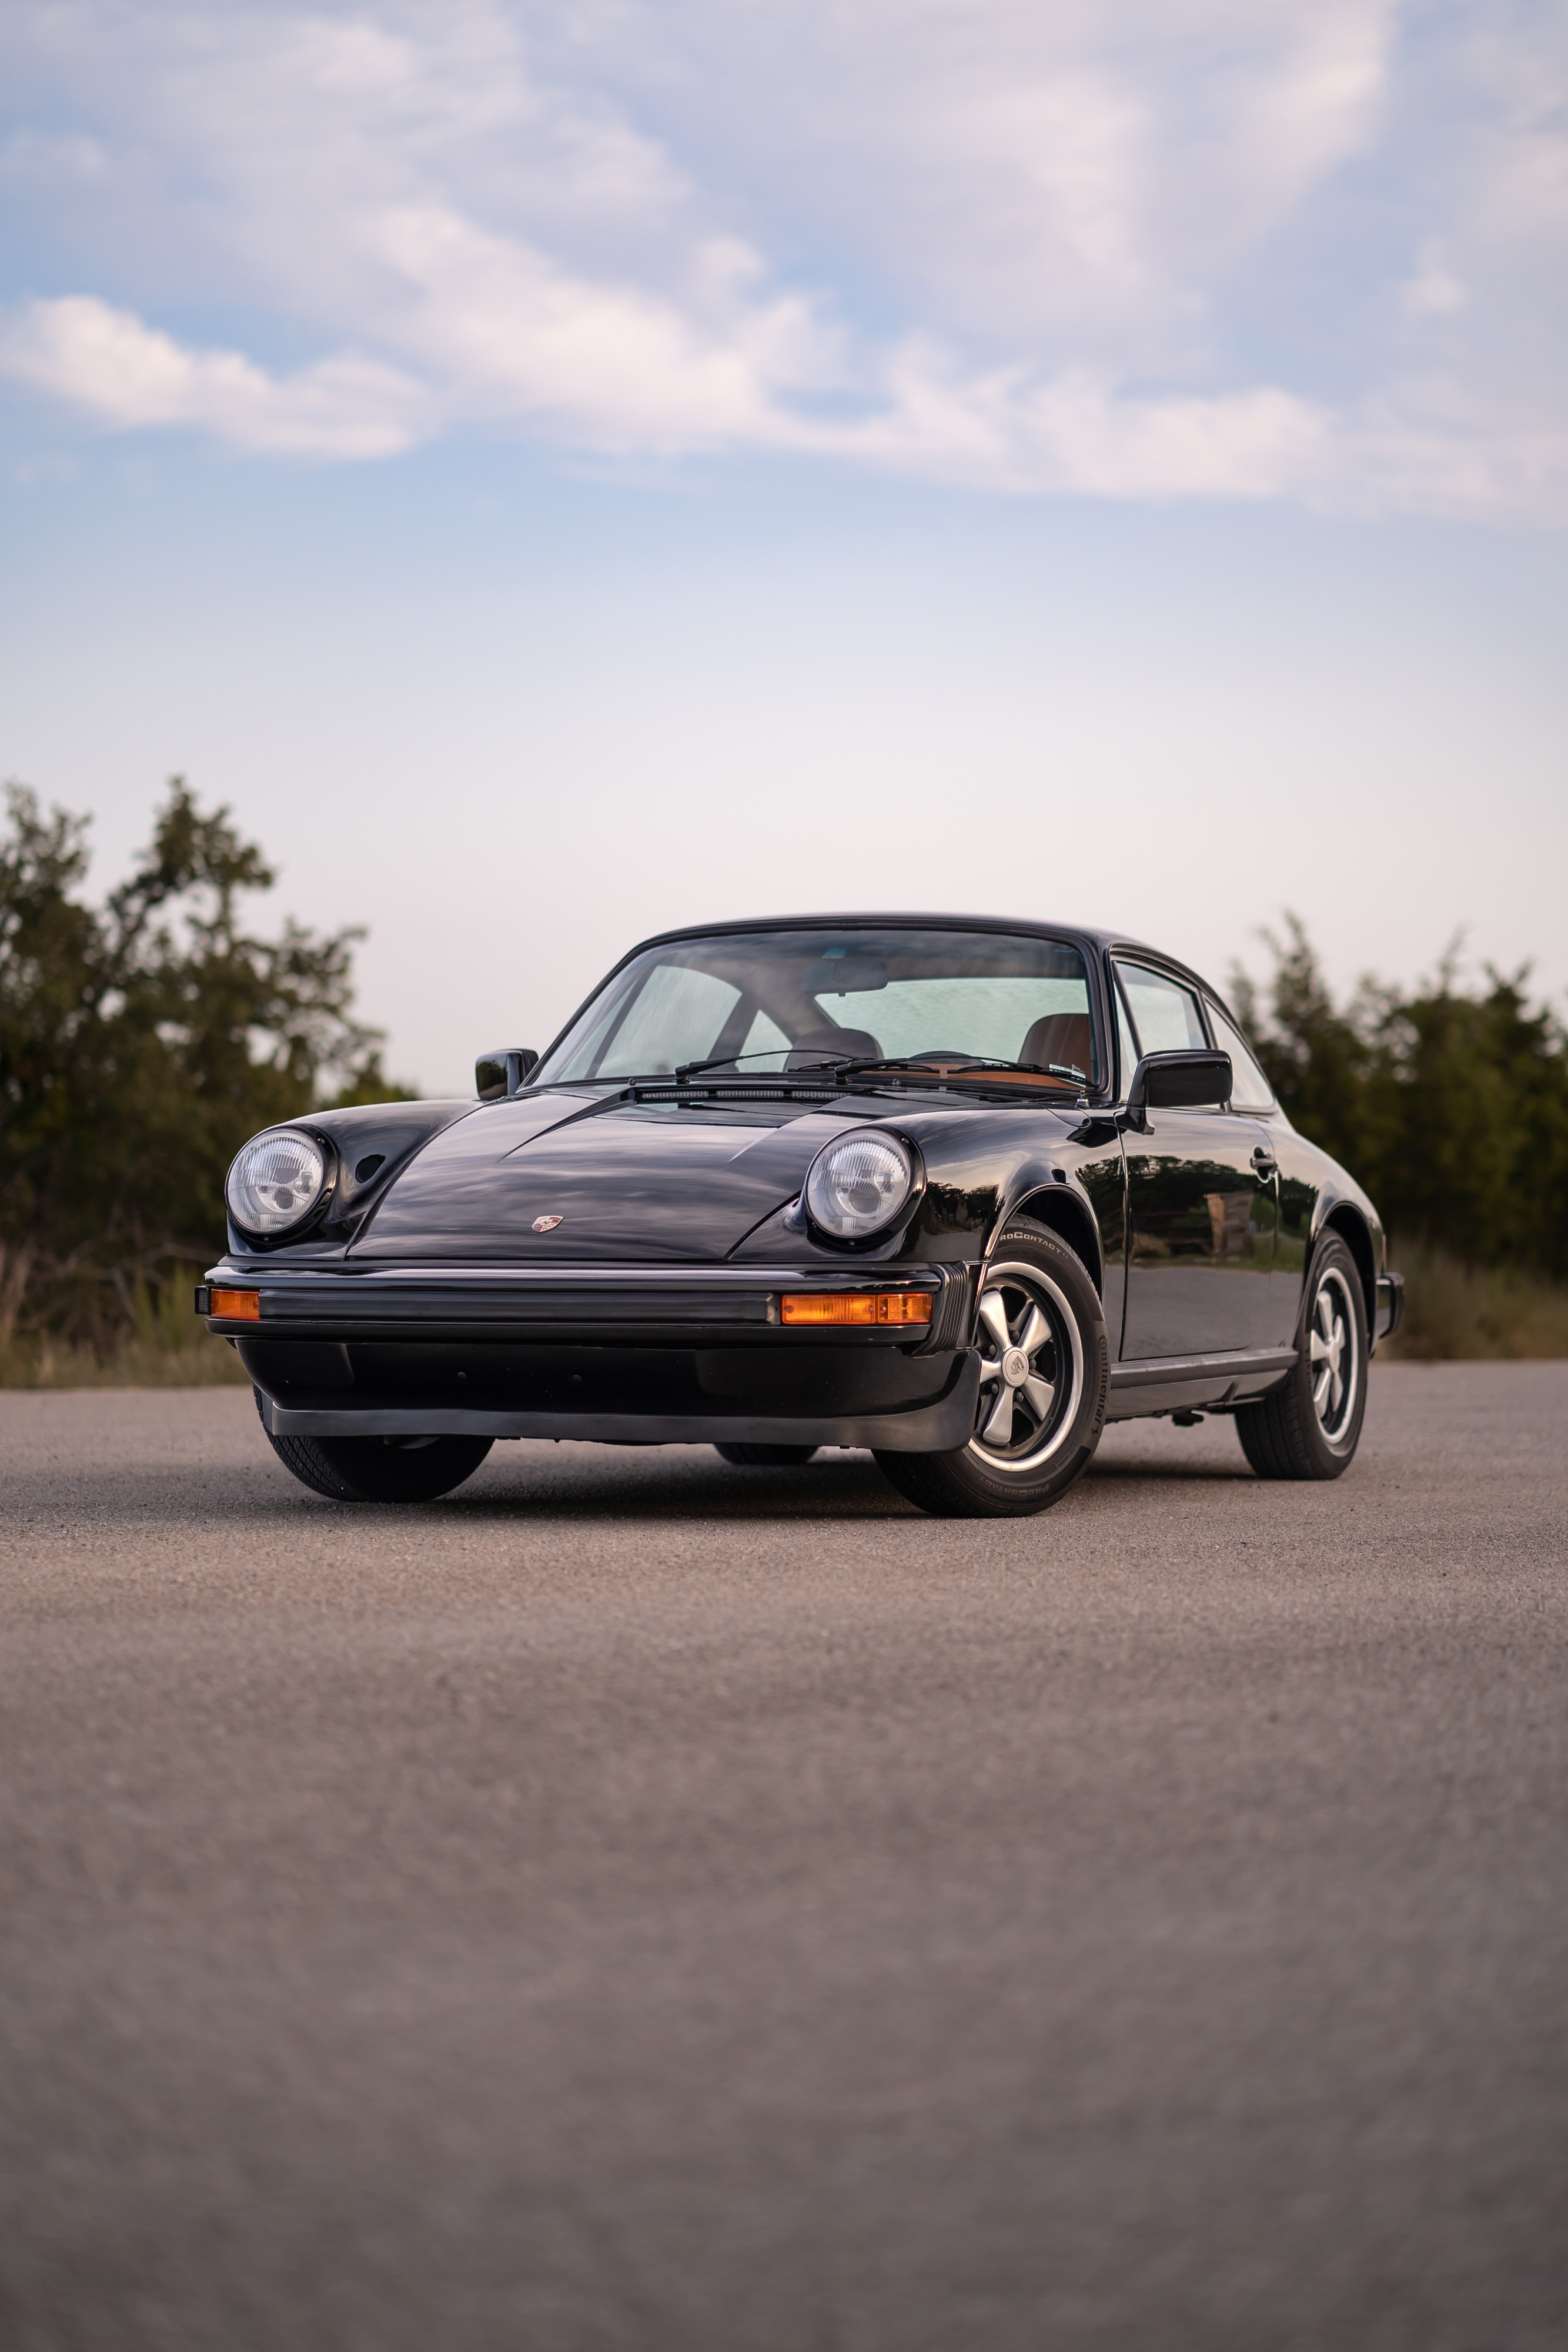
{"x": 955, "y": 1189}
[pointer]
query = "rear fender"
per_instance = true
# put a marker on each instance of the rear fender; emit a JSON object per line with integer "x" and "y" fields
{"x": 1351, "y": 1227}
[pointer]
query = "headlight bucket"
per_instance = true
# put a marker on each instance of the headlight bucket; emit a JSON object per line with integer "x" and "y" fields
{"x": 861, "y": 1184}
{"x": 279, "y": 1181}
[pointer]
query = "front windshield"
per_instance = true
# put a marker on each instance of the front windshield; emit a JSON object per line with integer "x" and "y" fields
{"x": 771, "y": 1000}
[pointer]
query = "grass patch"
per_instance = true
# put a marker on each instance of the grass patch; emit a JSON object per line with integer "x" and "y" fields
{"x": 200, "y": 1362}
{"x": 1454, "y": 1310}
{"x": 166, "y": 1345}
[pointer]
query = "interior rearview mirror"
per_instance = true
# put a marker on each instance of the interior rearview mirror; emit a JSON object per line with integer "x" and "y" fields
{"x": 842, "y": 975}
{"x": 1185, "y": 1081}
{"x": 498, "y": 1075}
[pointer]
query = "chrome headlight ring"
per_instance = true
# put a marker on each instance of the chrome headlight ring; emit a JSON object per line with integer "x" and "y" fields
{"x": 278, "y": 1183}
{"x": 861, "y": 1184}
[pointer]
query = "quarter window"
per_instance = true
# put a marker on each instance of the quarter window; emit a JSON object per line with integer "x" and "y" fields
{"x": 1249, "y": 1089}
{"x": 1164, "y": 1013}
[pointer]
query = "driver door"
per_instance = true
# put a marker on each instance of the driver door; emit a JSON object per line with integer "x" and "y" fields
{"x": 1201, "y": 1203}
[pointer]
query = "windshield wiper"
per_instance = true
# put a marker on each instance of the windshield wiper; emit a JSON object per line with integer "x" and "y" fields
{"x": 685, "y": 1070}
{"x": 847, "y": 1066}
{"x": 977, "y": 1064}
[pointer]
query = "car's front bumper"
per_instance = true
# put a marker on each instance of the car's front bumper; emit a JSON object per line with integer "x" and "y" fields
{"x": 937, "y": 1427}
{"x": 664, "y": 1355}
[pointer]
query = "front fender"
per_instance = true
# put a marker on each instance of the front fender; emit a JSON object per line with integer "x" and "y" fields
{"x": 370, "y": 1145}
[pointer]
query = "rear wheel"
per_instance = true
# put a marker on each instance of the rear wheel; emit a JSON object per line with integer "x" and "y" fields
{"x": 1310, "y": 1426}
{"x": 381, "y": 1469}
{"x": 766, "y": 1457}
{"x": 1045, "y": 1371}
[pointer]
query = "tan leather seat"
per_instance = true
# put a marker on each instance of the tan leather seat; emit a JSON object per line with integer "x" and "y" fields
{"x": 825, "y": 1042}
{"x": 1066, "y": 1038}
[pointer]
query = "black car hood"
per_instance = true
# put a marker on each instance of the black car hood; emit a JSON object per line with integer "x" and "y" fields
{"x": 633, "y": 1182}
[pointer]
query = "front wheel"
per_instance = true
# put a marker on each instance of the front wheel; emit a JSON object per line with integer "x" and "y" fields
{"x": 1045, "y": 1371}
{"x": 381, "y": 1469}
{"x": 1310, "y": 1426}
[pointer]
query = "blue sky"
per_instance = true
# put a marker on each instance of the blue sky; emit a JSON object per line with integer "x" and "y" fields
{"x": 562, "y": 472}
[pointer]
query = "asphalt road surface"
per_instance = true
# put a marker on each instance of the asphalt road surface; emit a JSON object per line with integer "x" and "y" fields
{"x": 642, "y": 1903}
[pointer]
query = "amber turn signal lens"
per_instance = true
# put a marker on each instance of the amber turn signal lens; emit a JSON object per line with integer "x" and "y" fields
{"x": 855, "y": 1306}
{"x": 237, "y": 1305}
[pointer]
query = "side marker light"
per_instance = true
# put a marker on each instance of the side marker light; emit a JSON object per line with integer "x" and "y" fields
{"x": 855, "y": 1306}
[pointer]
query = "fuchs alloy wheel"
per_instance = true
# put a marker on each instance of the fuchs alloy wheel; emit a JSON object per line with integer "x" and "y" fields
{"x": 1310, "y": 1426}
{"x": 1044, "y": 1372}
{"x": 381, "y": 1469}
{"x": 766, "y": 1457}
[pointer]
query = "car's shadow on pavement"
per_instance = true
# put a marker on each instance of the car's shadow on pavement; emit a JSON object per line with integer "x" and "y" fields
{"x": 1164, "y": 1472}
{"x": 848, "y": 1487}
{"x": 591, "y": 1486}
{"x": 852, "y": 1488}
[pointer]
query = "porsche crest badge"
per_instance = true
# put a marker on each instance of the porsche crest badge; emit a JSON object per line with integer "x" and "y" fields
{"x": 546, "y": 1224}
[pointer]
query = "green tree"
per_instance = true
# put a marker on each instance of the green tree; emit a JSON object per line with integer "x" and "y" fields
{"x": 1450, "y": 1105}
{"x": 140, "y": 1042}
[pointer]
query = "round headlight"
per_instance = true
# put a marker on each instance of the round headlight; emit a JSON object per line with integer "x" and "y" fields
{"x": 859, "y": 1183}
{"x": 276, "y": 1181}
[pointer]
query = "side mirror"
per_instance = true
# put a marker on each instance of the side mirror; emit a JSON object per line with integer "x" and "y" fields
{"x": 498, "y": 1075}
{"x": 1185, "y": 1081}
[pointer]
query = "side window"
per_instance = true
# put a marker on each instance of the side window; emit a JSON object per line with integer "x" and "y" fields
{"x": 1249, "y": 1089}
{"x": 1126, "y": 1044}
{"x": 1164, "y": 1013}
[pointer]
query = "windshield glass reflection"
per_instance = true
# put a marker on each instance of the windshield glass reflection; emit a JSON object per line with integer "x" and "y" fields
{"x": 757, "y": 1002}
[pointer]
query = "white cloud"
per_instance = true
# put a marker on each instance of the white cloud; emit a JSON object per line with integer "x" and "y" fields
{"x": 1075, "y": 170}
{"x": 624, "y": 372}
{"x": 126, "y": 374}
{"x": 511, "y": 333}
{"x": 1121, "y": 247}
{"x": 1075, "y": 433}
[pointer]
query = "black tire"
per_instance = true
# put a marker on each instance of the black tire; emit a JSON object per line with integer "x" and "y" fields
{"x": 1042, "y": 1401}
{"x": 381, "y": 1469}
{"x": 766, "y": 1457}
{"x": 1307, "y": 1429}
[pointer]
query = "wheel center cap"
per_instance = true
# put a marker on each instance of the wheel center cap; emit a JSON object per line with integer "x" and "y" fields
{"x": 1015, "y": 1367}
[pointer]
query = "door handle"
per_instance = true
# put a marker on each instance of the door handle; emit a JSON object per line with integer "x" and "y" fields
{"x": 1264, "y": 1162}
